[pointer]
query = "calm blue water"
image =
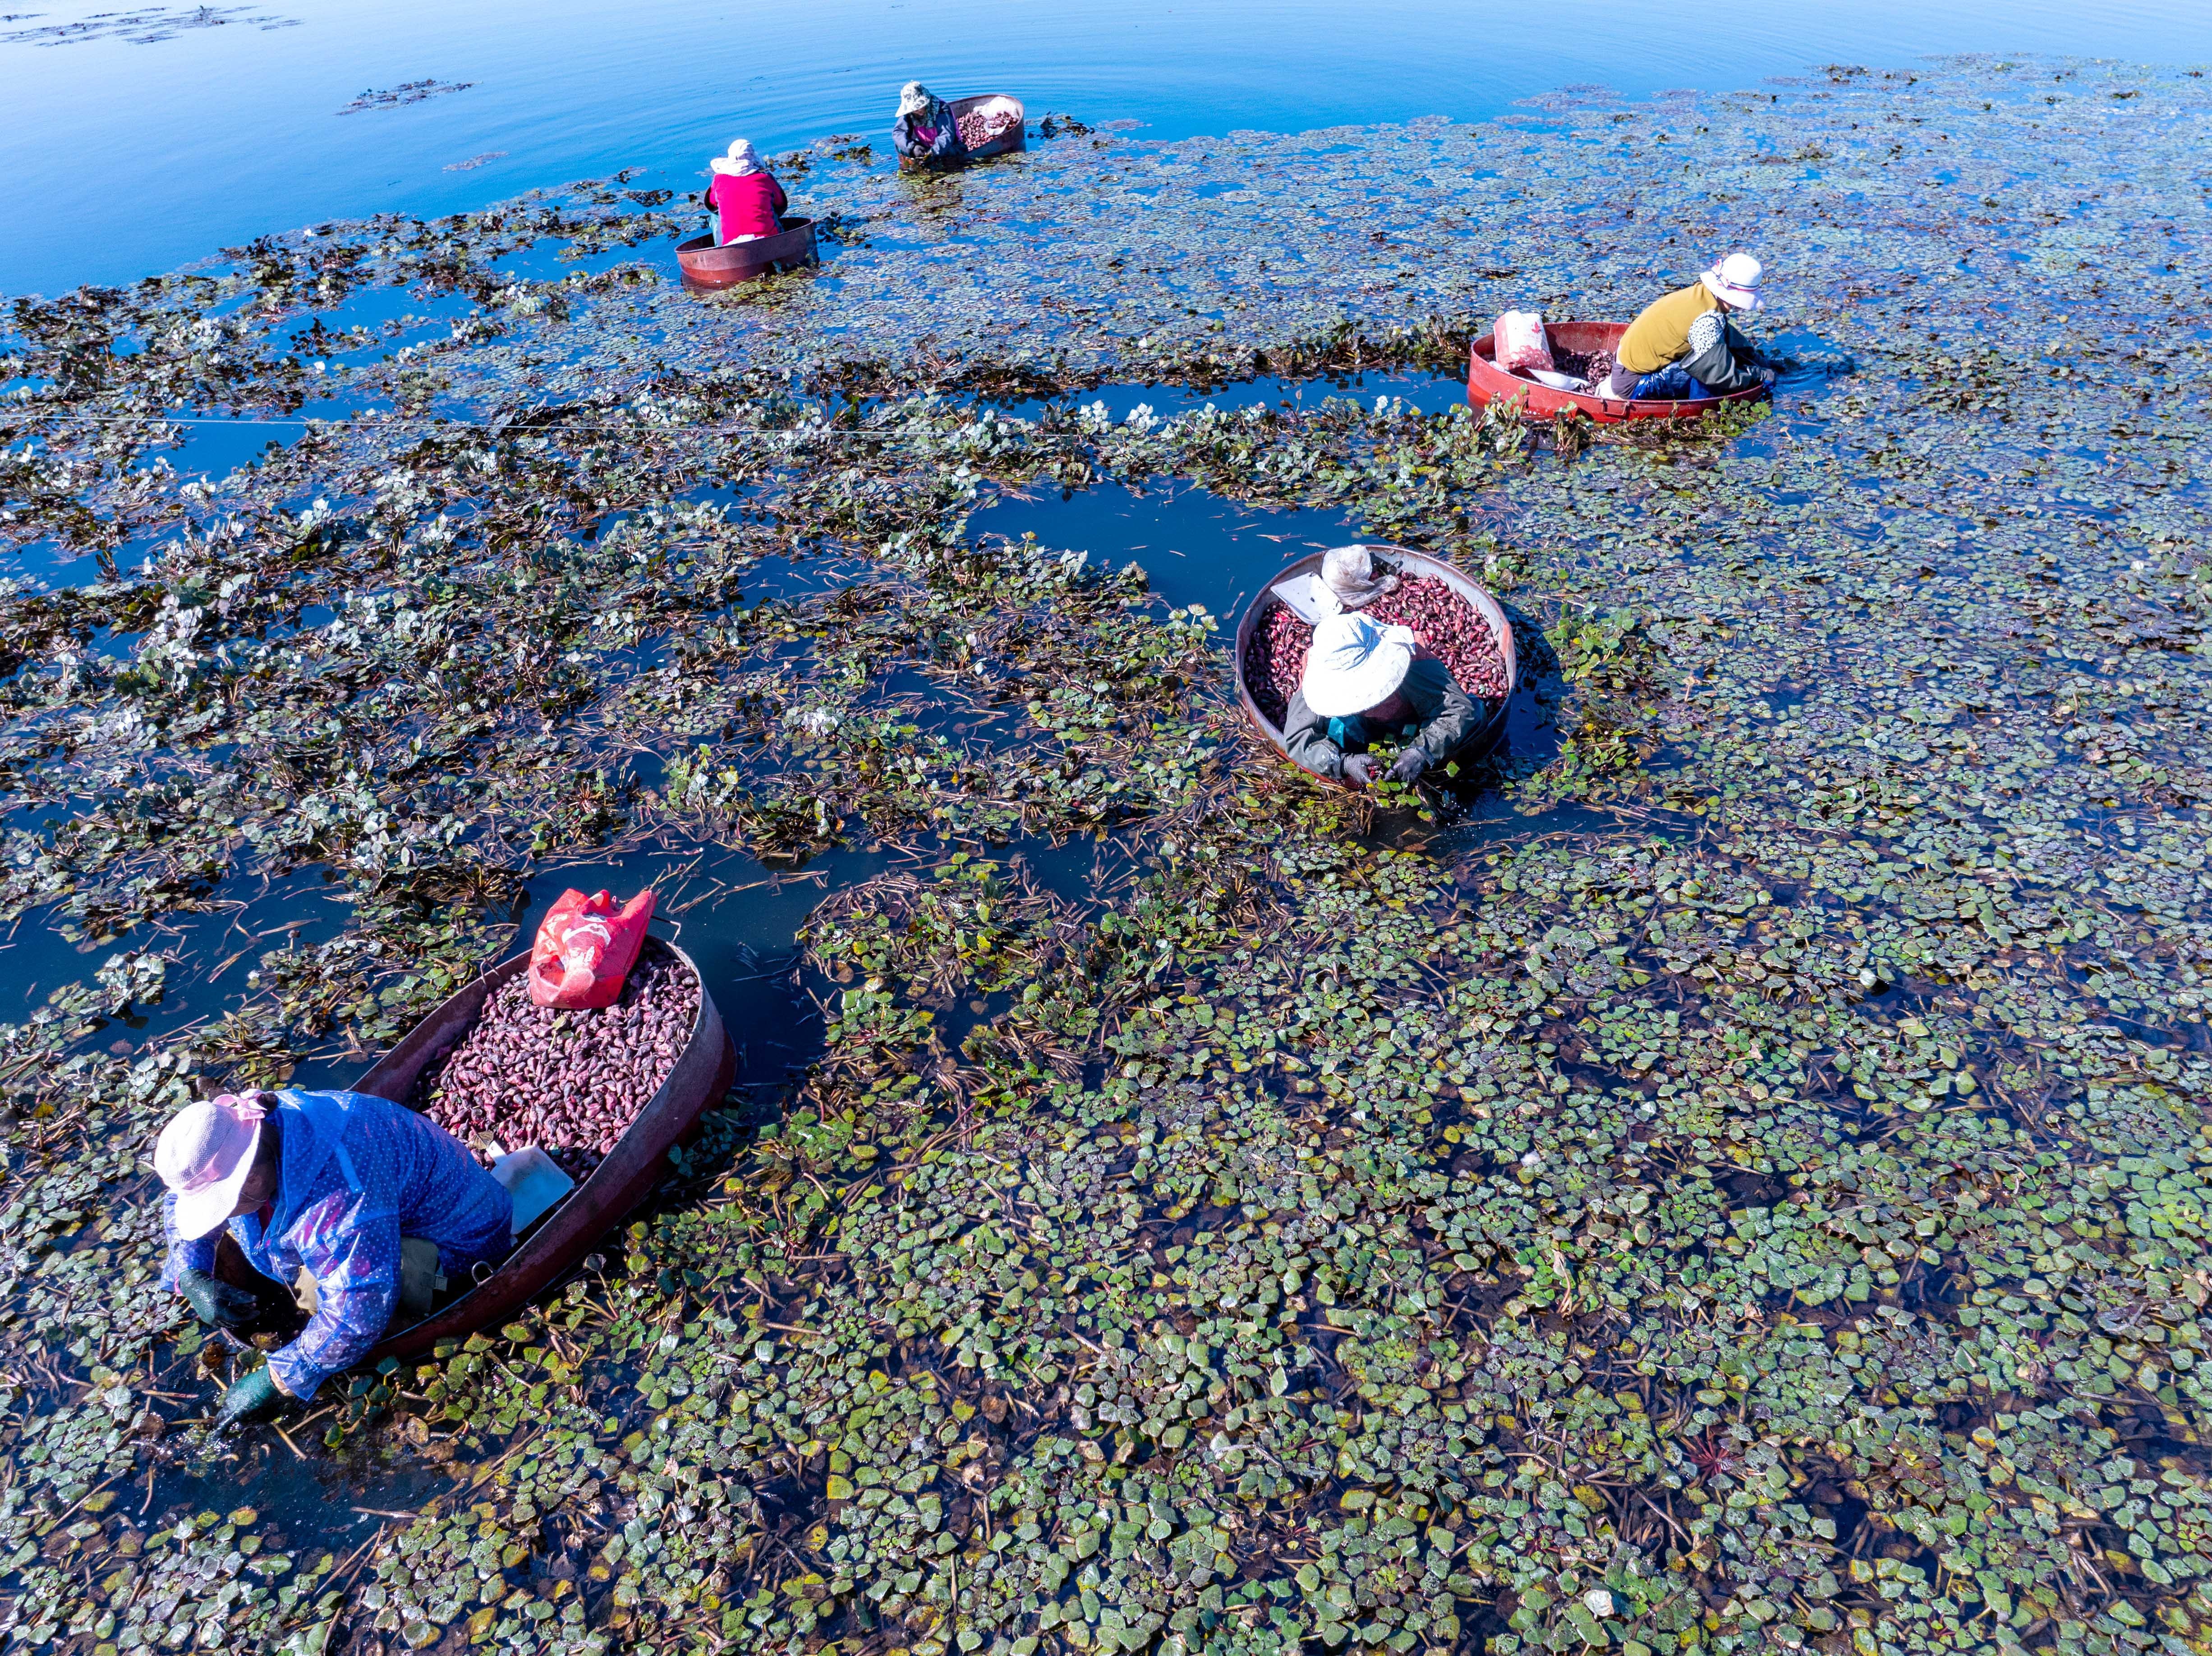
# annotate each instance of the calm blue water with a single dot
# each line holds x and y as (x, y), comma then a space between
(131, 152)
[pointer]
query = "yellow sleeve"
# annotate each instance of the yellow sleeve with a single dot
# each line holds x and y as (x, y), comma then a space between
(1661, 333)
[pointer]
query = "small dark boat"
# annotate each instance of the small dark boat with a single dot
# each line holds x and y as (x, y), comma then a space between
(1016, 137)
(1406, 562)
(1488, 383)
(702, 1074)
(707, 266)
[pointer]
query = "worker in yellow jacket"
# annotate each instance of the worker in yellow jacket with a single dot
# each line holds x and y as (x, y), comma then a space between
(1684, 346)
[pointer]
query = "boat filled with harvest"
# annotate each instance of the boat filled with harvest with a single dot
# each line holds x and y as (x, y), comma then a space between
(570, 1081)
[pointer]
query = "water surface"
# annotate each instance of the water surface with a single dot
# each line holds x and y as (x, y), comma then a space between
(133, 152)
(1693, 1123)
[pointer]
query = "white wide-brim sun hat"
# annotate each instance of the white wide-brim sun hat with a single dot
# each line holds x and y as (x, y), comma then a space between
(205, 1156)
(742, 159)
(1736, 279)
(1354, 663)
(914, 98)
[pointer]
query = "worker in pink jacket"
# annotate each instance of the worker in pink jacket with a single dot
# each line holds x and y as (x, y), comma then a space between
(747, 195)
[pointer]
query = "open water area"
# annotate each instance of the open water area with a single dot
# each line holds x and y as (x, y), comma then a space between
(1730, 1171)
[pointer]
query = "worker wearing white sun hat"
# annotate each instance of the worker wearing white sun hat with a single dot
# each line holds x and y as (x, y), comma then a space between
(1365, 682)
(1683, 346)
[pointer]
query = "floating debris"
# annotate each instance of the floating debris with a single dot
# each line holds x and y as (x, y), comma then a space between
(407, 92)
(145, 26)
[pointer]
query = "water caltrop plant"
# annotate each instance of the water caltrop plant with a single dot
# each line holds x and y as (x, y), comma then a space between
(1728, 1172)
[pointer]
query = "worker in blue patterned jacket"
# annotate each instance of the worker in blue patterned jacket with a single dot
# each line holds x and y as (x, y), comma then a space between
(925, 129)
(331, 1185)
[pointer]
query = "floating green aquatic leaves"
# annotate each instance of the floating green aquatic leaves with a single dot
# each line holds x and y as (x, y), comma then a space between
(1735, 1177)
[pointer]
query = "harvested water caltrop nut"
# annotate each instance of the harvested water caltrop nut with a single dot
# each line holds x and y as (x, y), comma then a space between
(569, 1081)
(1448, 626)
(980, 126)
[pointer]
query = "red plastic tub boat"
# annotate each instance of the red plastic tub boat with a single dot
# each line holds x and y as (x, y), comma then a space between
(1488, 383)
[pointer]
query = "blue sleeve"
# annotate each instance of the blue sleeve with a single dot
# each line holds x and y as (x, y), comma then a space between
(181, 1255)
(354, 1256)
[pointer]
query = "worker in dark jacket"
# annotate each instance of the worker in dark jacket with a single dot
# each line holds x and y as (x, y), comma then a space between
(1363, 683)
(925, 129)
(1683, 346)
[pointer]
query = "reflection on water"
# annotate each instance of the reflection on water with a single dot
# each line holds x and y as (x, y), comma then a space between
(1195, 546)
(124, 158)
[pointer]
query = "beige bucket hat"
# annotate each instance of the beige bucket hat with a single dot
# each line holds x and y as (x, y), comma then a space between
(742, 159)
(1735, 279)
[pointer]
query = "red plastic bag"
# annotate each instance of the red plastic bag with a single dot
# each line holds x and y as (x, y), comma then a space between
(586, 948)
(1519, 343)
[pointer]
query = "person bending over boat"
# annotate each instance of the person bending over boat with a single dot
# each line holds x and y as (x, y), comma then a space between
(747, 195)
(925, 129)
(1365, 683)
(326, 1183)
(1683, 347)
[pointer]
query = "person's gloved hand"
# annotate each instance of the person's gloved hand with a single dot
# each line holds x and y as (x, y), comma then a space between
(1766, 376)
(254, 1398)
(216, 1303)
(1358, 769)
(1411, 763)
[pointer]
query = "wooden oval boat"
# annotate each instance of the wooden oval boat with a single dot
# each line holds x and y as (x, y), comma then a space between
(1016, 138)
(1409, 562)
(708, 267)
(1488, 383)
(702, 1074)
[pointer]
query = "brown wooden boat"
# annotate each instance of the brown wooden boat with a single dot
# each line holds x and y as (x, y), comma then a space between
(1016, 137)
(707, 266)
(1407, 562)
(1488, 383)
(702, 1074)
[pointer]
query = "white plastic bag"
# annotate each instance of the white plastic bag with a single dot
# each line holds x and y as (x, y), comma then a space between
(1350, 579)
(534, 1182)
(1519, 343)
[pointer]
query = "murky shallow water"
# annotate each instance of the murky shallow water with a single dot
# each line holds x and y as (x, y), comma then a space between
(1742, 1168)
